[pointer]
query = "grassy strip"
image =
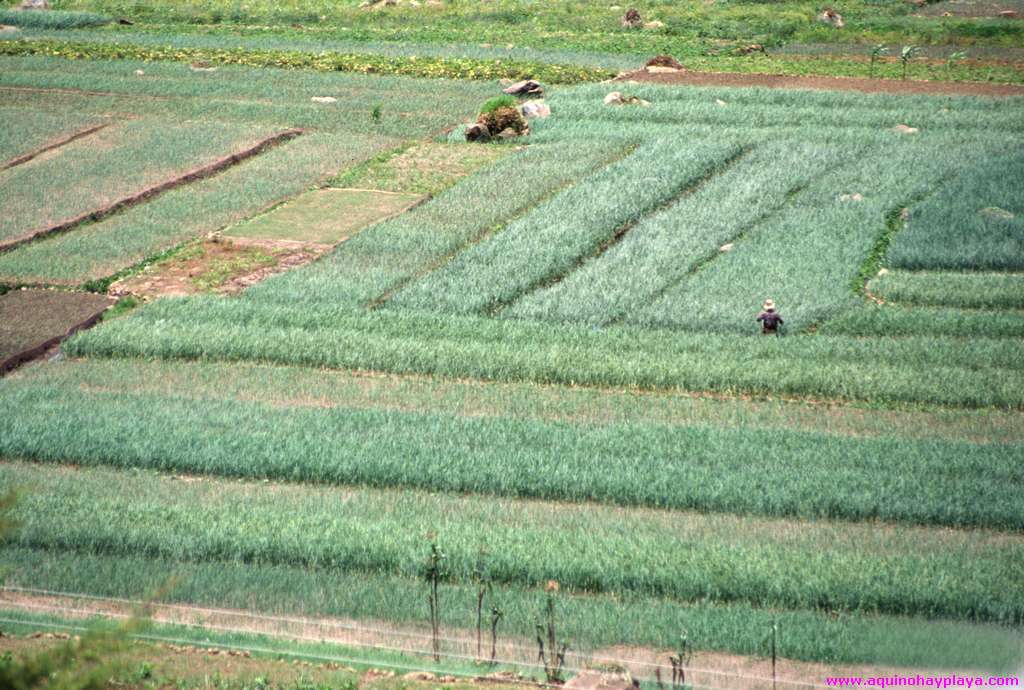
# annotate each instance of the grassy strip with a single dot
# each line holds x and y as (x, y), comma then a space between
(392, 253)
(987, 373)
(148, 659)
(974, 223)
(553, 238)
(140, 235)
(659, 465)
(304, 387)
(436, 67)
(893, 320)
(961, 290)
(117, 163)
(785, 564)
(590, 622)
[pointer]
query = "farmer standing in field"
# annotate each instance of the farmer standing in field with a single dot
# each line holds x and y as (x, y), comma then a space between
(769, 318)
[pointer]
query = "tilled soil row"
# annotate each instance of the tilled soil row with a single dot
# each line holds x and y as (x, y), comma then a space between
(862, 84)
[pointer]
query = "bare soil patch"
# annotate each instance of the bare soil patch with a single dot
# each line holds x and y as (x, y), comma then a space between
(711, 669)
(33, 321)
(219, 265)
(862, 84)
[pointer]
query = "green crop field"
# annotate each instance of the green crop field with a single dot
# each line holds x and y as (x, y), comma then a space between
(536, 359)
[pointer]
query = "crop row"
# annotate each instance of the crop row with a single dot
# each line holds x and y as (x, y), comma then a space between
(687, 557)
(556, 236)
(798, 110)
(587, 622)
(395, 252)
(751, 471)
(18, 138)
(894, 320)
(973, 223)
(109, 165)
(981, 373)
(101, 249)
(323, 61)
(662, 248)
(407, 107)
(305, 387)
(808, 257)
(949, 289)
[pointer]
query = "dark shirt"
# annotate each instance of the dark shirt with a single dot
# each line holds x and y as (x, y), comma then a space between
(770, 320)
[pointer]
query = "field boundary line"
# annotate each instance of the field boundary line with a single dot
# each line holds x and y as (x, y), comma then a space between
(20, 160)
(208, 170)
(529, 651)
(621, 231)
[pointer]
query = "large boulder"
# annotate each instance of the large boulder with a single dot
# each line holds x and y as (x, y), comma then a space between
(34, 5)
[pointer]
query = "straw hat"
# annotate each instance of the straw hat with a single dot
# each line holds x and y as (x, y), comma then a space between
(768, 305)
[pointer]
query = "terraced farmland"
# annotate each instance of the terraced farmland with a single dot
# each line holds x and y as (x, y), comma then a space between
(548, 366)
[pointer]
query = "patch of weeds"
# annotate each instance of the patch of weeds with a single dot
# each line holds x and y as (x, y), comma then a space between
(221, 269)
(121, 307)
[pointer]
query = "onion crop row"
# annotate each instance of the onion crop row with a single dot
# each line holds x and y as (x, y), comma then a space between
(974, 223)
(950, 289)
(777, 472)
(807, 257)
(894, 320)
(113, 163)
(550, 241)
(100, 249)
(921, 370)
(662, 248)
(688, 557)
(408, 107)
(587, 621)
(723, 106)
(397, 251)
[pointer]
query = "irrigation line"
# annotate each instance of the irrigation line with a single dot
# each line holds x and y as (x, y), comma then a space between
(322, 657)
(353, 628)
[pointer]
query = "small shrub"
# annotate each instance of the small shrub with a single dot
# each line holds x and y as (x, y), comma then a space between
(496, 103)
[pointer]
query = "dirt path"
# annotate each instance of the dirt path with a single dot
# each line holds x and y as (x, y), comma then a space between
(706, 669)
(862, 84)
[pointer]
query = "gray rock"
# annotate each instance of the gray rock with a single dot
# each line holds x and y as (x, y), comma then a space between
(34, 5)
(535, 109)
(997, 213)
(527, 87)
